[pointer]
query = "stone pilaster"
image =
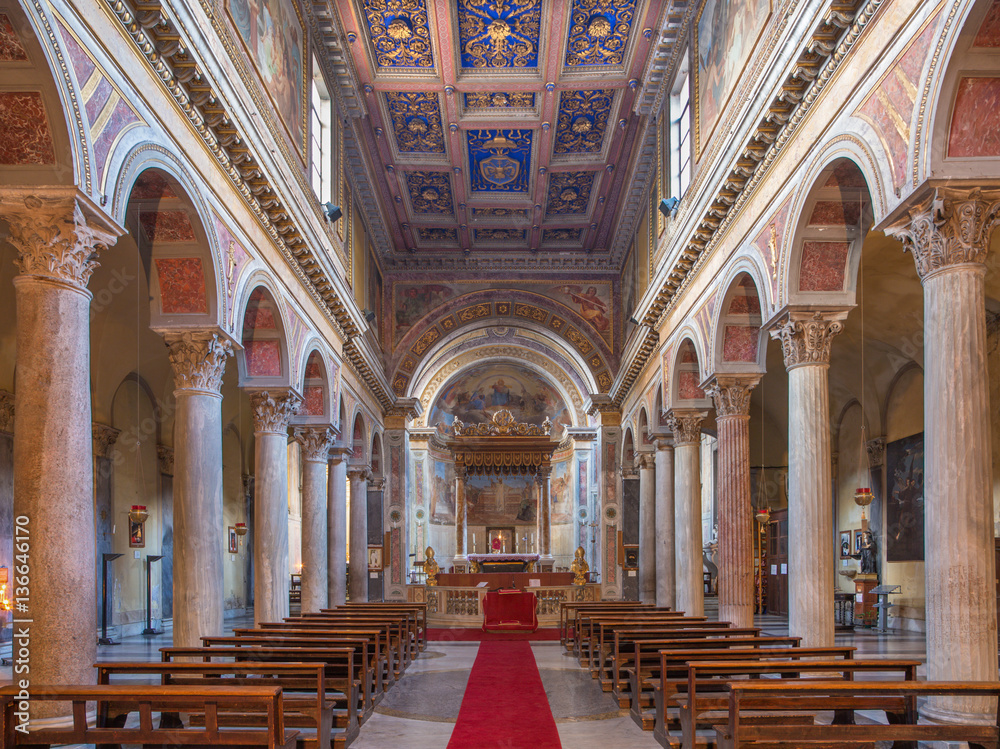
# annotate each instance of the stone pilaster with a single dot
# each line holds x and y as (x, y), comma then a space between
(948, 235)
(544, 519)
(272, 411)
(806, 337)
(461, 518)
(359, 475)
(647, 526)
(57, 234)
(198, 359)
(666, 583)
(316, 443)
(688, 564)
(336, 527)
(732, 417)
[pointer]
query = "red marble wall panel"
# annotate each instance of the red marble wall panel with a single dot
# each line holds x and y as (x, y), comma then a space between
(313, 368)
(122, 117)
(182, 285)
(739, 343)
(83, 66)
(846, 174)
(11, 49)
(687, 386)
(742, 304)
(259, 315)
(167, 226)
(989, 33)
(688, 355)
(99, 98)
(834, 213)
(152, 185)
(824, 265)
(25, 137)
(263, 358)
(975, 121)
(313, 403)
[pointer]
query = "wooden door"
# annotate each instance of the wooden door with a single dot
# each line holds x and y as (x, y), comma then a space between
(777, 563)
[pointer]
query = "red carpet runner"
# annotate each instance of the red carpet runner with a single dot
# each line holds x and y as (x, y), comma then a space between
(467, 634)
(505, 706)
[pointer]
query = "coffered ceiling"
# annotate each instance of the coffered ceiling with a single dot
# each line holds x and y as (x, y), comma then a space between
(500, 127)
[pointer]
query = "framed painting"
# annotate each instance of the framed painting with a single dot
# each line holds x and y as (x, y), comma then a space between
(726, 33)
(856, 546)
(273, 37)
(904, 509)
(375, 558)
(845, 544)
(234, 541)
(136, 534)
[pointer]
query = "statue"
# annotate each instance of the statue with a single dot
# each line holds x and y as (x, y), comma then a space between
(431, 566)
(867, 553)
(580, 568)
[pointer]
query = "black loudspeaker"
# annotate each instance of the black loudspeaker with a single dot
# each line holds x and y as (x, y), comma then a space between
(668, 206)
(332, 212)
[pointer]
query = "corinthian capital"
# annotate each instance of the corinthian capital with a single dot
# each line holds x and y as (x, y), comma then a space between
(731, 394)
(950, 227)
(316, 442)
(57, 232)
(198, 359)
(686, 425)
(272, 410)
(358, 472)
(104, 438)
(806, 335)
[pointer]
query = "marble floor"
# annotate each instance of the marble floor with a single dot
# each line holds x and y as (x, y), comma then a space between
(420, 711)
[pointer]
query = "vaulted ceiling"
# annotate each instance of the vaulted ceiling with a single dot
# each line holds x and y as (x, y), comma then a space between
(500, 127)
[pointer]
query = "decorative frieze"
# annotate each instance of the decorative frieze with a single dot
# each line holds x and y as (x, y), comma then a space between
(198, 359)
(272, 410)
(731, 394)
(316, 442)
(686, 425)
(806, 335)
(104, 438)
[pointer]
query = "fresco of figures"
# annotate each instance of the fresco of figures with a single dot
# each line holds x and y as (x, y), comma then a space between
(475, 394)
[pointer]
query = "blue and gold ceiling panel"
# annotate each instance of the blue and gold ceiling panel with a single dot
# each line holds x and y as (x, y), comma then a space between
(437, 235)
(599, 32)
(499, 100)
(583, 120)
(569, 193)
(416, 121)
(500, 214)
(562, 236)
(399, 33)
(430, 192)
(501, 235)
(498, 33)
(499, 160)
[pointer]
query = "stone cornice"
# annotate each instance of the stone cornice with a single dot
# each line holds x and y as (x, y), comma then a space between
(637, 355)
(365, 364)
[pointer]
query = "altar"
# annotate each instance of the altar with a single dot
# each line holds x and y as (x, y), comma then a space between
(503, 562)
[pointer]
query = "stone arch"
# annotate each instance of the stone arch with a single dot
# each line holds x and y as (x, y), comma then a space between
(740, 344)
(685, 389)
(357, 438)
(167, 221)
(644, 431)
(628, 449)
(377, 456)
(317, 405)
(833, 216)
(264, 360)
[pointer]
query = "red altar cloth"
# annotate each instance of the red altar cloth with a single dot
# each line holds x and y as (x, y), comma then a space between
(510, 609)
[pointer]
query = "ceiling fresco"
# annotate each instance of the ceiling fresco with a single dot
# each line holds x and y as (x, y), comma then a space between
(500, 125)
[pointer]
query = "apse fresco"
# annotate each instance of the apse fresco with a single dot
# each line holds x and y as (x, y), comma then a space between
(726, 34)
(501, 500)
(478, 393)
(271, 31)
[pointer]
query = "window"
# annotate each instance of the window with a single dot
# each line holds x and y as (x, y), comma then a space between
(680, 133)
(321, 138)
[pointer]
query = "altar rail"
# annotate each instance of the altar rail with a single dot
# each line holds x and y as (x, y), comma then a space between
(449, 606)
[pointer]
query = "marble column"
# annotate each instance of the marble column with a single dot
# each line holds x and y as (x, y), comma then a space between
(461, 518)
(359, 475)
(666, 583)
(198, 359)
(272, 576)
(57, 234)
(544, 519)
(647, 527)
(732, 417)
(949, 237)
(336, 527)
(688, 564)
(806, 336)
(315, 442)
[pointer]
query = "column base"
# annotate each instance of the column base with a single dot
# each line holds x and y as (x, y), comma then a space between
(460, 563)
(546, 562)
(936, 712)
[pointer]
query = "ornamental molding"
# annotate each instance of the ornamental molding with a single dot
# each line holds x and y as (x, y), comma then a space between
(807, 334)
(6, 411)
(731, 394)
(686, 426)
(198, 358)
(316, 443)
(876, 452)
(949, 227)
(503, 424)
(104, 438)
(358, 473)
(645, 461)
(273, 409)
(57, 233)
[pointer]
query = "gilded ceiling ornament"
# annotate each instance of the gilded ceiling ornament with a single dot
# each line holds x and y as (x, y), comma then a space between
(416, 121)
(500, 160)
(399, 33)
(500, 100)
(562, 235)
(569, 192)
(437, 234)
(599, 31)
(583, 120)
(497, 34)
(519, 213)
(430, 192)
(501, 235)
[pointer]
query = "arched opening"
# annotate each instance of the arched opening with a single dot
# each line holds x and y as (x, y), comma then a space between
(264, 359)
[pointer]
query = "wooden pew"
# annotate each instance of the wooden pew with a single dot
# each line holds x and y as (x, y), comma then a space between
(208, 701)
(307, 703)
(568, 609)
(406, 620)
(396, 632)
(809, 695)
(343, 671)
(705, 700)
(592, 628)
(586, 622)
(391, 645)
(419, 609)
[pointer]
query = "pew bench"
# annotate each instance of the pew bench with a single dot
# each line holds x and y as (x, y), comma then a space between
(585, 622)
(600, 630)
(419, 610)
(569, 610)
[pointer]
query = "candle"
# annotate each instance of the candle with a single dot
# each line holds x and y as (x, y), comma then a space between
(473, 543)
